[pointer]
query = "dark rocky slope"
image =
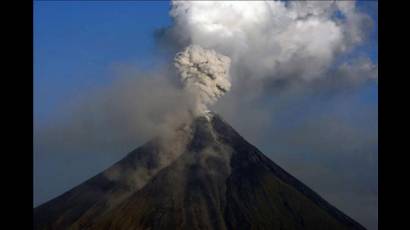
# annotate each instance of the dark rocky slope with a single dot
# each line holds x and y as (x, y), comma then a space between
(205, 177)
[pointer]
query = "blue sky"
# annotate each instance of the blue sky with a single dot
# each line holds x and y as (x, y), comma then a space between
(371, 46)
(76, 47)
(77, 43)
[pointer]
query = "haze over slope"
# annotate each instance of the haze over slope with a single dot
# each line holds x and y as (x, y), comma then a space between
(271, 102)
(205, 176)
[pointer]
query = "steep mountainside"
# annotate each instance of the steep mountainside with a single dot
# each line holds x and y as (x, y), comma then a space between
(205, 176)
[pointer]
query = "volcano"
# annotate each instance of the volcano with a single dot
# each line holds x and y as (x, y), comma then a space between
(203, 176)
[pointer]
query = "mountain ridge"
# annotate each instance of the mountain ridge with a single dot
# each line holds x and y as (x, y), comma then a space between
(215, 179)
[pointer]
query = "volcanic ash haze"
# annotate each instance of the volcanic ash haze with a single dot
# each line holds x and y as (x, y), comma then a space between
(203, 175)
(209, 177)
(204, 74)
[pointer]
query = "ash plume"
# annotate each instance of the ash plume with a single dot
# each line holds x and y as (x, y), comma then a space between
(271, 40)
(284, 60)
(204, 74)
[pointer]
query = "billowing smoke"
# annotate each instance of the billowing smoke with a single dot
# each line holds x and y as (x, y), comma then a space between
(272, 40)
(290, 59)
(204, 74)
(278, 50)
(261, 48)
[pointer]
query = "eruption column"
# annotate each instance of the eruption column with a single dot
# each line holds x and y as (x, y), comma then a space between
(204, 74)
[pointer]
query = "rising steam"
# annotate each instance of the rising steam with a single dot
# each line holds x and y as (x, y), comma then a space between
(271, 39)
(204, 75)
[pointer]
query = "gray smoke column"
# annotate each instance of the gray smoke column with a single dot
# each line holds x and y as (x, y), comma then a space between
(204, 74)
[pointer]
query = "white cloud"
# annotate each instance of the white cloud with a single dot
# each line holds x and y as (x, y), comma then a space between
(272, 38)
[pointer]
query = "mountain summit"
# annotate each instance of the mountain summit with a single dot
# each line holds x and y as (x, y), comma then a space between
(203, 176)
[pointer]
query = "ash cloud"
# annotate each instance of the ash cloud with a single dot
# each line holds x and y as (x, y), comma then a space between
(204, 74)
(129, 111)
(296, 86)
(292, 92)
(270, 39)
